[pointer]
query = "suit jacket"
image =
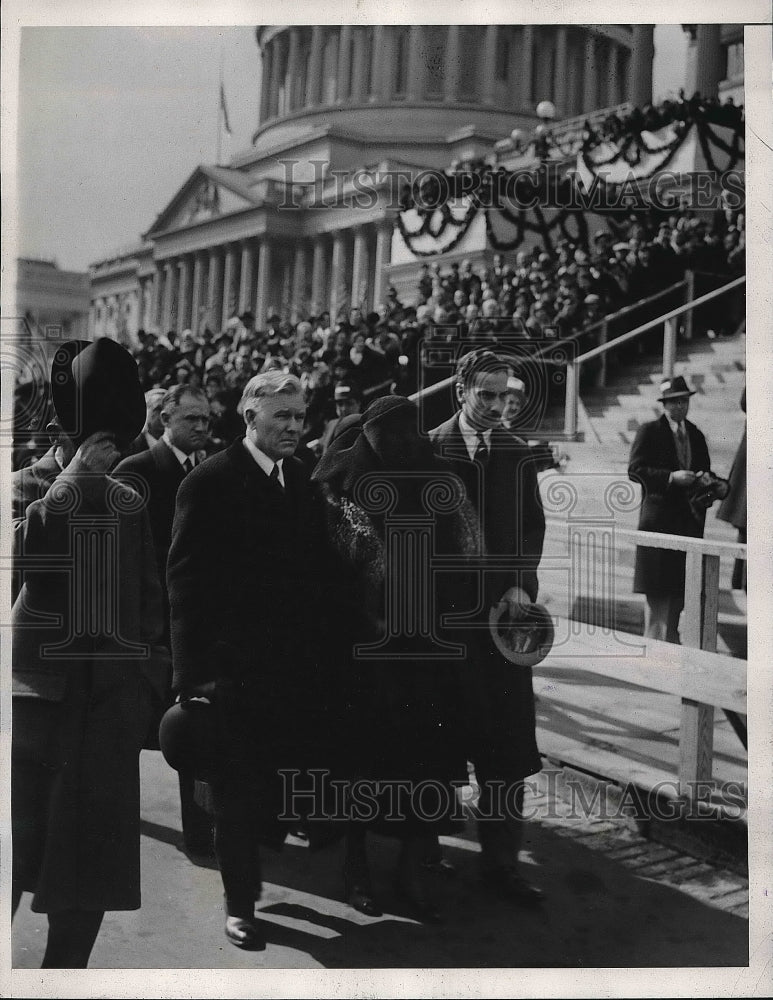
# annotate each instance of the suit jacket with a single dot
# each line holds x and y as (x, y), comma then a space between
(666, 507)
(500, 718)
(249, 575)
(156, 474)
(508, 502)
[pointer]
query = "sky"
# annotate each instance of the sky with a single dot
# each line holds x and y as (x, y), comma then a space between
(113, 120)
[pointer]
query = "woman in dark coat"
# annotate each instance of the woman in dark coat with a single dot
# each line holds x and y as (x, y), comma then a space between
(404, 696)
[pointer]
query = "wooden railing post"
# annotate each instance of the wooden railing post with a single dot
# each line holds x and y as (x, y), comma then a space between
(570, 406)
(701, 609)
(669, 347)
(601, 377)
(689, 296)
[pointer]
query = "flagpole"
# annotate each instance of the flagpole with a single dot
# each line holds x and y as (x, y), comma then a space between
(220, 112)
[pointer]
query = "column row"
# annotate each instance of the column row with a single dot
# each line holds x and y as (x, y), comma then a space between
(501, 65)
(267, 277)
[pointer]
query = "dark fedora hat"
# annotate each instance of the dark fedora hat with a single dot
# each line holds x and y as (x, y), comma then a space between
(188, 738)
(673, 388)
(96, 387)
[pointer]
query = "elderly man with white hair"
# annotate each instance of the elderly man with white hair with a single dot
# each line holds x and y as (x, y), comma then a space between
(249, 588)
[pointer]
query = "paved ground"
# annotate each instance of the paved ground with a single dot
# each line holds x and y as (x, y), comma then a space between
(614, 900)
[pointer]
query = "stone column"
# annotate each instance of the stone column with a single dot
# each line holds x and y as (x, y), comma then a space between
(709, 64)
(383, 257)
(417, 68)
(155, 303)
(215, 289)
(562, 72)
(489, 63)
(166, 313)
(294, 99)
(276, 61)
(451, 75)
(314, 81)
(318, 276)
(377, 65)
(344, 63)
(589, 89)
(265, 83)
(640, 65)
(196, 292)
(358, 71)
(228, 281)
(359, 267)
(298, 293)
(527, 67)
(263, 284)
(388, 63)
(183, 312)
(245, 277)
(337, 286)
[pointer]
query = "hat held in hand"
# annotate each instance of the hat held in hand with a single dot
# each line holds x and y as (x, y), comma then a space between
(535, 631)
(95, 387)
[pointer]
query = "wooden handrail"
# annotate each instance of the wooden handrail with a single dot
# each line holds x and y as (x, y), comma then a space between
(611, 317)
(678, 311)
(661, 539)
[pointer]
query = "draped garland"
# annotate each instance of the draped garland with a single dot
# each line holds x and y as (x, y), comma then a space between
(438, 208)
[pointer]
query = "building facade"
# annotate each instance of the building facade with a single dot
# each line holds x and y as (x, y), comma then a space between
(303, 221)
(48, 298)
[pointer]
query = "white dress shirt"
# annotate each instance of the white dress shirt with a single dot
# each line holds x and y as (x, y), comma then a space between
(181, 457)
(470, 435)
(267, 464)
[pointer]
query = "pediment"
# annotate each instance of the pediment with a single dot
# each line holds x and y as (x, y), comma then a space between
(205, 195)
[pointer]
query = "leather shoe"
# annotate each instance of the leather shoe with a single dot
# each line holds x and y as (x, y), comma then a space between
(439, 866)
(419, 906)
(244, 934)
(360, 898)
(507, 883)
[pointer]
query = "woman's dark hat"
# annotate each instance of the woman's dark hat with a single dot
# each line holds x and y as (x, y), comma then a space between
(674, 388)
(96, 387)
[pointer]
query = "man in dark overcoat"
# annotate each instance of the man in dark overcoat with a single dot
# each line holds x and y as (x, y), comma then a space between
(667, 457)
(500, 476)
(156, 473)
(88, 667)
(248, 578)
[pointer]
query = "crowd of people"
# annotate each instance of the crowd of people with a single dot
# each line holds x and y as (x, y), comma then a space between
(531, 295)
(271, 588)
(652, 117)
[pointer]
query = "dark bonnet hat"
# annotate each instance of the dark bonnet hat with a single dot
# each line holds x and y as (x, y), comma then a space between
(95, 387)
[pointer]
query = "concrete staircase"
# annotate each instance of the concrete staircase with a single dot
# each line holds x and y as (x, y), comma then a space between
(597, 470)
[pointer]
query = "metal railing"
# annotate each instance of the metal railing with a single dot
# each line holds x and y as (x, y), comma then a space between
(669, 348)
(701, 677)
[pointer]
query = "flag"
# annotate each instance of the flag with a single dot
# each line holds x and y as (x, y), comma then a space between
(224, 109)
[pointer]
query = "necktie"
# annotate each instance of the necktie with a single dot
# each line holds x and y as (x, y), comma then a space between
(187, 465)
(481, 451)
(681, 443)
(275, 477)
